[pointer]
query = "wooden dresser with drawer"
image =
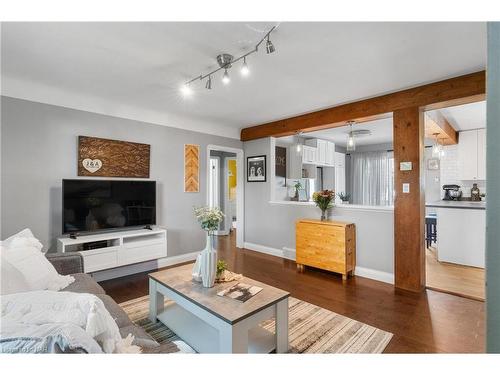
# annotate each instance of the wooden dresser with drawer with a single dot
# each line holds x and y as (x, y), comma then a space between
(329, 245)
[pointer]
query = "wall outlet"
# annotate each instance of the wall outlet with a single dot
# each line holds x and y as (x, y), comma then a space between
(406, 188)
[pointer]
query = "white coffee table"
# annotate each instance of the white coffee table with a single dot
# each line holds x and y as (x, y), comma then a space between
(214, 324)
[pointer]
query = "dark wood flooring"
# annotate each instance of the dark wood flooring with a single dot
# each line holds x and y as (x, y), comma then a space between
(426, 322)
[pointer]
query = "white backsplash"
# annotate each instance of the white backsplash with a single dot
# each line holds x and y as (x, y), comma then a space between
(450, 172)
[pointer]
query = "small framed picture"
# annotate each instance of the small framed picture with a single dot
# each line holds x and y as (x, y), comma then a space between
(256, 168)
(433, 164)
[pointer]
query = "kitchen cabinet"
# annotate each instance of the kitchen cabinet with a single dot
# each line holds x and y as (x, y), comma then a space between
(339, 175)
(472, 154)
(325, 151)
(481, 154)
(461, 235)
(309, 154)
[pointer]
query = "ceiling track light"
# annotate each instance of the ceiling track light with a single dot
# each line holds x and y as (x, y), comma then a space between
(225, 78)
(226, 61)
(244, 68)
(269, 46)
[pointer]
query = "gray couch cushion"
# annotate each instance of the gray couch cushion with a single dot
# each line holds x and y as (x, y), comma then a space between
(121, 318)
(84, 284)
(141, 338)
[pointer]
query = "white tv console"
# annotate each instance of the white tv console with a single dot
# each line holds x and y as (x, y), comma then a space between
(123, 248)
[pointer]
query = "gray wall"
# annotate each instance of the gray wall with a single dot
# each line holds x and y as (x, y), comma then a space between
(493, 205)
(39, 149)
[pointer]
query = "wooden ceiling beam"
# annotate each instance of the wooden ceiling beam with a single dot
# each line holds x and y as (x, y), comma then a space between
(459, 90)
(436, 123)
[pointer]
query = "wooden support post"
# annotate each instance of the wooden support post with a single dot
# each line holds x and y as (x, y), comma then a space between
(409, 207)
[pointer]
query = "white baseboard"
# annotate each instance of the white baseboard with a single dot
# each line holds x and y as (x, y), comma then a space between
(113, 273)
(289, 253)
(369, 273)
(263, 249)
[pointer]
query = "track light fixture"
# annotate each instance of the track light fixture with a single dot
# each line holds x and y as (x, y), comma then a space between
(208, 85)
(269, 46)
(186, 90)
(226, 61)
(244, 68)
(225, 78)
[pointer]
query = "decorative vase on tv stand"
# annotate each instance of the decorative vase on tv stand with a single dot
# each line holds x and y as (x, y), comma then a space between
(205, 268)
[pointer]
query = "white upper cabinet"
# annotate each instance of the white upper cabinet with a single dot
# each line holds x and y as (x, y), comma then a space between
(325, 151)
(481, 154)
(309, 154)
(472, 154)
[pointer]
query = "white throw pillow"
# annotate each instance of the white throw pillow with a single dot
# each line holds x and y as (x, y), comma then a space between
(12, 280)
(23, 252)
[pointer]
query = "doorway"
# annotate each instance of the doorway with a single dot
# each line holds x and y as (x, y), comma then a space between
(455, 187)
(225, 188)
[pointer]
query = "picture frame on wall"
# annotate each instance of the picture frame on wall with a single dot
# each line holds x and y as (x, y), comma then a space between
(256, 168)
(433, 164)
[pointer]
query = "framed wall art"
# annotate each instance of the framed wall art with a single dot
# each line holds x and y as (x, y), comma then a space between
(191, 168)
(256, 168)
(100, 157)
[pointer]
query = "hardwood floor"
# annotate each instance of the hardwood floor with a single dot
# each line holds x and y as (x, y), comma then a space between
(453, 278)
(426, 322)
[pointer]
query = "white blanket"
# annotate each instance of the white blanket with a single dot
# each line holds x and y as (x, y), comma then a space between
(33, 309)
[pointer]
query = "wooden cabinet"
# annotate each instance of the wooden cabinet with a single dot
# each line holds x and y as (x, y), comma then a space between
(329, 245)
(472, 154)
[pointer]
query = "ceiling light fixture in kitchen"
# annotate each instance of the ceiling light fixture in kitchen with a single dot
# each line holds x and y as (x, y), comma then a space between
(351, 144)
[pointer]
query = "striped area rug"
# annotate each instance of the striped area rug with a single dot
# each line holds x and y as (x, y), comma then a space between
(312, 329)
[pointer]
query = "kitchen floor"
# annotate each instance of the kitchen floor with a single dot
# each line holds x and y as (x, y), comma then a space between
(451, 278)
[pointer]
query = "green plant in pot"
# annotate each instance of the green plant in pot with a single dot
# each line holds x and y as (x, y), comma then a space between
(344, 197)
(324, 201)
(297, 187)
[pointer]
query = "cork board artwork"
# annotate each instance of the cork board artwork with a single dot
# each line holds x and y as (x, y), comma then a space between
(99, 157)
(191, 168)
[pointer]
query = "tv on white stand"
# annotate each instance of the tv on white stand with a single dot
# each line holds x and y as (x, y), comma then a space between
(122, 248)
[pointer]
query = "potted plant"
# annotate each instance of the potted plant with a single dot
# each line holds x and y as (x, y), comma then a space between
(344, 197)
(205, 267)
(297, 187)
(324, 200)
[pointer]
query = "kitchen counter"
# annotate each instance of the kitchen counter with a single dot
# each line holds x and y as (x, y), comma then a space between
(458, 204)
(461, 231)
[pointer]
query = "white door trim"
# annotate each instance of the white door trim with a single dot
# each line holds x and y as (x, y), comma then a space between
(240, 198)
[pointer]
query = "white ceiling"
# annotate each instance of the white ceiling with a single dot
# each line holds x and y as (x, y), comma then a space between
(381, 133)
(466, 117)
(134, 70)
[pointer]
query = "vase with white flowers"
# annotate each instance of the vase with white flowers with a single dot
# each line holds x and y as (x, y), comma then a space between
(205, 268)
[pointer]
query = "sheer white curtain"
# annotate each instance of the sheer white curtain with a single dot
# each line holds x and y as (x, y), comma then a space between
(372, 178)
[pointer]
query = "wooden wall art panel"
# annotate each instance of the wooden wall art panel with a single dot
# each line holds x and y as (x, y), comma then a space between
(99, 157)
(191, 168)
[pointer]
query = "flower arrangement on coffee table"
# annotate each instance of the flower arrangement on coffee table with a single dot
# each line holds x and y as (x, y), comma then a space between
(324, 201)
(205, 268)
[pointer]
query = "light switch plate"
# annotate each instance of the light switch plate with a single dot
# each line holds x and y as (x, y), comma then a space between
(405, 166)
(406, 187)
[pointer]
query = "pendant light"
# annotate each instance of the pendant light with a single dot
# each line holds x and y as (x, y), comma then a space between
(208, 85)
(269, 46)
(351, 144)
(437, 149)
(298, 146)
